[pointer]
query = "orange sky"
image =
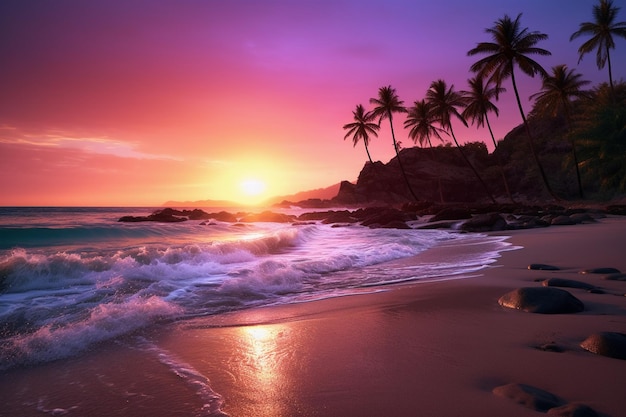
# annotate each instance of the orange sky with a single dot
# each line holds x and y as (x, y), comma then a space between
(140, 102)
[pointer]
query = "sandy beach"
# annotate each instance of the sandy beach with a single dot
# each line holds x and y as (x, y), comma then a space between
(427, 349)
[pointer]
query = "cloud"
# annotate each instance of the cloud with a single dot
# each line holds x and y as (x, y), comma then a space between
(99, 145)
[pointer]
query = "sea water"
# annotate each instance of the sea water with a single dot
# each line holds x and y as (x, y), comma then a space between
(73, 277)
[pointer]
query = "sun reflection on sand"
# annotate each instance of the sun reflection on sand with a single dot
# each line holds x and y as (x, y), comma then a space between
(262, 350)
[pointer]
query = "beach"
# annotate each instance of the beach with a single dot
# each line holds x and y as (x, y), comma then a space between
(429, 349)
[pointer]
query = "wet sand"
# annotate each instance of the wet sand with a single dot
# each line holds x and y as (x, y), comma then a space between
(427, 349)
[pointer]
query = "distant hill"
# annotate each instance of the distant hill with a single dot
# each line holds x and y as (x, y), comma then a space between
(200, 203)
(319, 193)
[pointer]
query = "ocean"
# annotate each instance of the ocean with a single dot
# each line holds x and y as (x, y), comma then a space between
(74, 278)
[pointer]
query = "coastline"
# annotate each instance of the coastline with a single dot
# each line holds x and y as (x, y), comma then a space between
(434, 348)
(429, 349)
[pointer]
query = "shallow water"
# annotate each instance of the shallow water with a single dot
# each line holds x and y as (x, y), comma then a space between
(72, 279)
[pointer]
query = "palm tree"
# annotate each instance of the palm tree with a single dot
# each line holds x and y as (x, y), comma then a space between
(362, 128)
(421, 120)
(444, 102)
(557, 93)
(387, 103)
(601, 31)
(510, 47)
(479, 105)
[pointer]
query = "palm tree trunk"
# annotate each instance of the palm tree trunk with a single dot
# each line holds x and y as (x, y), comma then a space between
(608, 58)
(569, 128)
(530, 140)
(500, 164)
(438, 176)
(395, 146)
(368, 152)
(472, 167)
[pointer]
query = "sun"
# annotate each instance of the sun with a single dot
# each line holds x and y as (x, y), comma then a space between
(252, 187)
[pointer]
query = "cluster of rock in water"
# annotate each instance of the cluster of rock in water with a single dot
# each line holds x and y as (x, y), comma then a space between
(550, 299)
(423, 215)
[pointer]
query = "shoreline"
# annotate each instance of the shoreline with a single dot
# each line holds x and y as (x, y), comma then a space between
(434, 348)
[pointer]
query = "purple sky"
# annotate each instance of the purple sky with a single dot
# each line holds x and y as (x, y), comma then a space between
(138, 102)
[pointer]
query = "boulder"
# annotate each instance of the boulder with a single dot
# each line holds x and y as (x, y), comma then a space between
(484, 223)
(569, 283)
(572, 410)
(611, 344)
(340, 217)
(267, 216)
(385, 216)
(543, 267)
(562, 221)
(452, 213)
(542, 300)
(529, 396)
(615, 277)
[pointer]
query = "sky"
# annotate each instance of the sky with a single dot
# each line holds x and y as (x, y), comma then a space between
(137, 102)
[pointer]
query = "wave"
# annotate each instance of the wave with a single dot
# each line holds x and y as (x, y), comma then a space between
(54, 303)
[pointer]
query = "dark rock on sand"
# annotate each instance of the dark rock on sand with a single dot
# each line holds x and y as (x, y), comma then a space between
(572, 410)
(484, 223)
(543, 267)
(611, 344)
(615, 277)
(569, 283)
(601, 271)
(542, 300)
(529, 396)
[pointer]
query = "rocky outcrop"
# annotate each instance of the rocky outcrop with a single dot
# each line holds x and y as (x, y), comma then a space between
(611, 344)
(543, 300)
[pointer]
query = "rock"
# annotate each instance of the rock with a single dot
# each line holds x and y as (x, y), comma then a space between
(579, 218)
(529, 396)
(542, 300)
(615, 277)
(562, 221)
(570, 283)
(339, 217)
(385, 216)
(617, 209)
(601, 271)
(611, 344)
(572, 410)
(267, 216)
(484, 223)
(223, 216)
(397, 224)
(543, 267)
(452, 213)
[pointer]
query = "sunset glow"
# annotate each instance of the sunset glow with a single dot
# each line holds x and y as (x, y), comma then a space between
(252, 187)
(138, 103)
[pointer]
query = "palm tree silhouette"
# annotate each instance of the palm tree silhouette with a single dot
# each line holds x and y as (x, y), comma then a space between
(386, 104)
(557, 93)
(421, 119)
(510, 47)
(444, 102)
(478, 107)
(362, 128)
(601, 31)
